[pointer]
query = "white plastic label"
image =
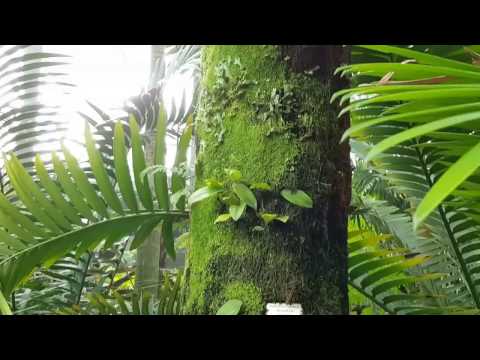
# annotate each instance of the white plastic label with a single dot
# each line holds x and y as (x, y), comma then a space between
(284, 309)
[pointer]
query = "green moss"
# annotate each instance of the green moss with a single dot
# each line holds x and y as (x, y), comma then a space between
(249, 294)
(230, 259)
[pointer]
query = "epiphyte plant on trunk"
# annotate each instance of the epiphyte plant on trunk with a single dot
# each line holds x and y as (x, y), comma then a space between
(238, 194)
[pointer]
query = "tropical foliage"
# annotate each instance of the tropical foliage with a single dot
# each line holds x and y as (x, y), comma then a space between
(68, 227)
(416, 129)
(81, 202)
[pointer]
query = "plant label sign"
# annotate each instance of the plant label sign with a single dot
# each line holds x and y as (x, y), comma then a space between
(284, 309)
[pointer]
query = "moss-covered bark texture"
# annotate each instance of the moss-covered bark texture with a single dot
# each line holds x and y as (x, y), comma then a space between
(265, 111)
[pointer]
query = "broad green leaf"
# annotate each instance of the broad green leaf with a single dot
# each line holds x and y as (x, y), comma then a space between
(231, 307)
(260, 186)
(268, 218)
(202, 194)
(223, 218)
(213, 184)
(234, 175)
(245, 194)
(298, 197)
(236, 211)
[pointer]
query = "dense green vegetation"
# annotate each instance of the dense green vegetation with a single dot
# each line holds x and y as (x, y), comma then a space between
(70, 227)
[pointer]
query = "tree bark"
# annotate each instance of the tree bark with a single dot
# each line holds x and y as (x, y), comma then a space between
(265, 111)
(151, 254)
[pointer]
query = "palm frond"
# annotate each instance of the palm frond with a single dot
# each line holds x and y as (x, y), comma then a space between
(169, 301)
(25, 74)
(55, 215)
(419, 122)
(386, 277)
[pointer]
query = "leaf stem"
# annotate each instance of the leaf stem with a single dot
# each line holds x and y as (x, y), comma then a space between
(4, 308)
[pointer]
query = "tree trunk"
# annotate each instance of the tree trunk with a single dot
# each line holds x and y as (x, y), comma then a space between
(148, 275)
(265, 111)
(151, 254)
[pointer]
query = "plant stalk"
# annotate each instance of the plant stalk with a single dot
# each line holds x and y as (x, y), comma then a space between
(4, 308)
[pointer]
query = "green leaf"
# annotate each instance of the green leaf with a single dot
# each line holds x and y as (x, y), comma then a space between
(213, 184)
(231, 307)
(202, 194)
(71, 189)
(83, 184)
(168, 239)
(178, 180)
(175, 198)
(236, 211)
(4, 308)
(55, 193)
(230, 199)
(268, 218)
(222, 218)
(298, 198)
(234, 175)
(260, 186)
(121, 167)
(450, 180)
(23, 192)
(139, 165)
(100, 173)
(16, 268)
(418, 131)
(245, 194)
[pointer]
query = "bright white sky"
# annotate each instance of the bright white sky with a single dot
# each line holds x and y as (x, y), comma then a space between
(106, 75)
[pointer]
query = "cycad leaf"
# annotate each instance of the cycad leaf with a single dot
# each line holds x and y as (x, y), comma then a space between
(455, 176)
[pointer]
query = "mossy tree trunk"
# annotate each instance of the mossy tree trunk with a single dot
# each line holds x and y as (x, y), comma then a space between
(265, 111)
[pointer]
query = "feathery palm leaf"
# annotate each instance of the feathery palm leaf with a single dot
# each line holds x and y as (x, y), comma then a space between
(419, 122)
(69, 212)
(25, 73)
